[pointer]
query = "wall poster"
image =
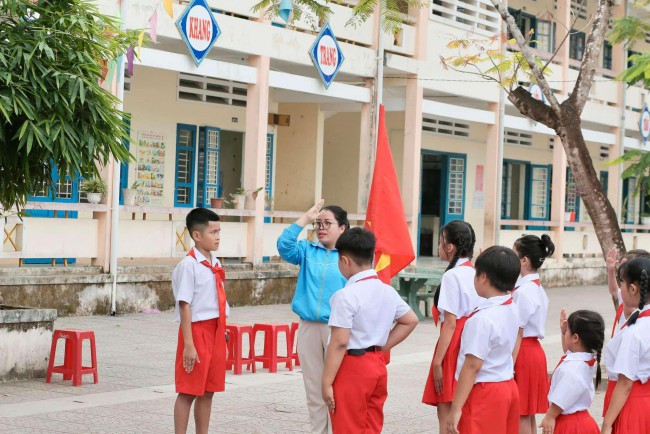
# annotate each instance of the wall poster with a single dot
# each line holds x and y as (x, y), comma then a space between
(150, 172)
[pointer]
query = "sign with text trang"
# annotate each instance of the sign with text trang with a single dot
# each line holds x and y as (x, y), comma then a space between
(199, 29)
(326, 55)
(644, 124)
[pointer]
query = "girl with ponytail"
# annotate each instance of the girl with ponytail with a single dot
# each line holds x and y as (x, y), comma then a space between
(454, 299)
(627, 356)
(531, 302)
(572, 386)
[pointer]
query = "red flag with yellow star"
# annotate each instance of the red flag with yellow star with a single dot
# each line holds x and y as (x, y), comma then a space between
(385, 215)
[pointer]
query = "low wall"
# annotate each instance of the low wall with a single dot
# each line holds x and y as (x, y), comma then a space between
(25, 339)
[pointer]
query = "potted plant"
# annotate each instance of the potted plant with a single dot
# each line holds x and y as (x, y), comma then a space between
(95, 189)
(238, 198)
(216, 202)
(130, 193)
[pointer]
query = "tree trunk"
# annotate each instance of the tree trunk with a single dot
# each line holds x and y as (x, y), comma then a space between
(603, 216)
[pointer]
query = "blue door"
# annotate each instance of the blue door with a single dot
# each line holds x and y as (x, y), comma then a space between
(64, 189)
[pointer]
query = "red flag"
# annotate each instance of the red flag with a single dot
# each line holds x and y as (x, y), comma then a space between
(385, 216)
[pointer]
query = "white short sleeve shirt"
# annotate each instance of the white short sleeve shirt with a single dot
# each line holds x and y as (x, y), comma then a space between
(532, 306)
(194, 283)
(572, 385)
(368, 307)
(457, 293)
(628, 353)
(490, 334)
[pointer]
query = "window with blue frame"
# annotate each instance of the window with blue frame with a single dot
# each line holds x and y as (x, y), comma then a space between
(572, 197)
(185, 167)
(631, 53)
(124, 167)
(576, 45)
(540, 189)
(527, 23)
(607, 55)
(630, 201)
(545, 35)
(210, 182)
(268, 177)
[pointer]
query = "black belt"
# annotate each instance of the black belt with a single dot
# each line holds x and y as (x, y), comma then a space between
(372, 349)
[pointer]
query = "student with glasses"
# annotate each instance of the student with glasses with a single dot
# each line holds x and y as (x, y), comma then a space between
(319, 278)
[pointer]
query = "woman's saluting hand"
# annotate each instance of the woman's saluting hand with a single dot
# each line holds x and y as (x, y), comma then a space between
(311, 214)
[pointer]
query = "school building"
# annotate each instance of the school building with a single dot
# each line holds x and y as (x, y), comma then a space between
(256, 114)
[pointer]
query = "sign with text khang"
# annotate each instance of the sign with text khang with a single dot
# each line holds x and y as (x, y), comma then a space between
(199, 29)
(644, 124)
(326, 55)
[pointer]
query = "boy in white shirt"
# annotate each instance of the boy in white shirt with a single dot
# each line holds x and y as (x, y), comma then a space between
(355, 378)
(201, 308)
(487, 398)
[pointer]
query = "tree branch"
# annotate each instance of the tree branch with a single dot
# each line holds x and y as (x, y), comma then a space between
(533, 108)
(529, 56)
(592, 54)
(566, 36)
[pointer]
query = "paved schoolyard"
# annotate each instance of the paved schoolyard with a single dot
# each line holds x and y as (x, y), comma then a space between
(135, 393)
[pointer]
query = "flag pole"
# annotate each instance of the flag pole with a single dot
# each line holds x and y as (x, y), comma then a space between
(379, 80)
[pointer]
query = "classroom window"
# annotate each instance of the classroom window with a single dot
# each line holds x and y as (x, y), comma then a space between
(572, 201)
(185, 145)
(576, 45)
(545, 35)
(539, 193)
(526, 23)
(607, 55)
(209, 174)
(631, 53)
(456, 182)
(268, 176)
(631, 201)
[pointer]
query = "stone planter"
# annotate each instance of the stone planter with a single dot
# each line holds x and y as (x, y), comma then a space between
(94, 198)
(239, 201)
(25, 340)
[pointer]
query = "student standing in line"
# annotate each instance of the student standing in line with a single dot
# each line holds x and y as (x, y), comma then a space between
(531, 302)
(201, 308)
(487, 399)
(622, 314)
(319, 278)
(454, 300)
(627, 356)
(355, 380)
(572, 386)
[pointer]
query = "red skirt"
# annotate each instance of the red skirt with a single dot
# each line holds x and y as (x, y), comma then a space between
(611, 384)
(491, 408)
(210, 374)
(531, 376)
(579, 422)
(449, 364)
(634, 418)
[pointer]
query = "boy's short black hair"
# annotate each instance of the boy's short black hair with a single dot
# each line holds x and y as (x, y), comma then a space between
(501, 266)
(358, 244)
(199, 218)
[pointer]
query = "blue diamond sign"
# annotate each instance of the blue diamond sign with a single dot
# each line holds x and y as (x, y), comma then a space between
(199, 29)
(326, 55)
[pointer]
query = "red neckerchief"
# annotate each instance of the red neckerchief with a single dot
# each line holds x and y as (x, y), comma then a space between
(220, 277)
(435, 313)
(617, 318)
(508, 301)
(591, 362)
(536, 282)
(643, 314)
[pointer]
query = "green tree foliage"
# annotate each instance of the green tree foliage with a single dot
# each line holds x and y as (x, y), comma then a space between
(53, 110)
(316, 11)
(628, 30)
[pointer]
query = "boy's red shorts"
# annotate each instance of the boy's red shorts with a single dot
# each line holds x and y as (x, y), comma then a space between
(210, 374)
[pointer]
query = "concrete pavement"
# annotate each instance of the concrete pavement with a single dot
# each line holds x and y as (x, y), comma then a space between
(135, 393)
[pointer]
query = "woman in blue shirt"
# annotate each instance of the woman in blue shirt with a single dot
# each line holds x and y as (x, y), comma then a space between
(319, 278)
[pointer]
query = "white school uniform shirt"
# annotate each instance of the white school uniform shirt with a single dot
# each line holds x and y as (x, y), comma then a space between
(491, 334)
(532, 306)
(194, 283)
(457, 293)
(572, 384)
(628, 353)
(368, 308)
(622, 318)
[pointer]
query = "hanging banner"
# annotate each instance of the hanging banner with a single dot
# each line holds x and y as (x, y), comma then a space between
(644, 124)
(198, 29)
(150, 169)
(326, 55)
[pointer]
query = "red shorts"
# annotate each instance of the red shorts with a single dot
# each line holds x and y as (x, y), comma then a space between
(449, 364)
(360, 390)
(531, 375)
(579, 422)
(210, 374)
(491, 408)
(634, 418)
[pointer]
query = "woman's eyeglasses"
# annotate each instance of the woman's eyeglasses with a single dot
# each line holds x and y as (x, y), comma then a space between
(325, 225)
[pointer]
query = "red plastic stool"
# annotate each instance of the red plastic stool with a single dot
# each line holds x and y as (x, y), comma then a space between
(235, 361)
(294, 344)
(72, 367)
(270, 358)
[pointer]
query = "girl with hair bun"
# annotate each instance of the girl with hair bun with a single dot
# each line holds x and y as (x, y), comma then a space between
(531, 301)
(627, 356)
(572, 386)
(454, 299)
